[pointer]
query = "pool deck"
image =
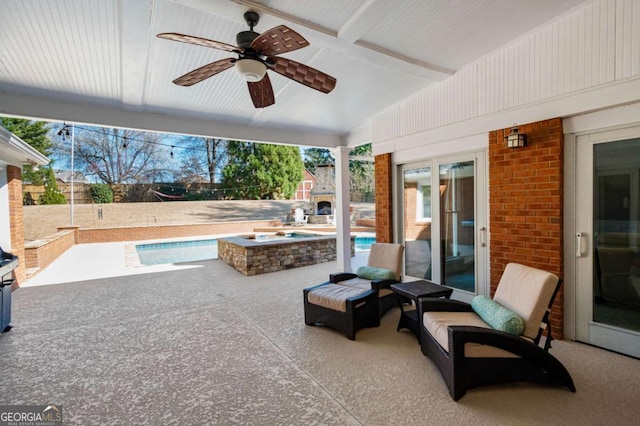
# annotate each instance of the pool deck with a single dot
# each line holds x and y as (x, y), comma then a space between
(83, 262)
(206, 345)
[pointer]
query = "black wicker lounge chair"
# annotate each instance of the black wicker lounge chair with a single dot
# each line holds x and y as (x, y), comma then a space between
(470, 353)
(349, 302)
(384, 256)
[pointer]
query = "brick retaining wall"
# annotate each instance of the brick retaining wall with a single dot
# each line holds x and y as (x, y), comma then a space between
(40, 253)
(156, 232)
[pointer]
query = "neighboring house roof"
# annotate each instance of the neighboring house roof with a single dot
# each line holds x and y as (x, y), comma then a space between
(64, 176)
(308, 174)
(16, 152)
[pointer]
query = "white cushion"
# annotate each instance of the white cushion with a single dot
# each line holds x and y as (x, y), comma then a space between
(437, 324)
(364, 284)
(386, 256)
(527, 292)
(333, 296)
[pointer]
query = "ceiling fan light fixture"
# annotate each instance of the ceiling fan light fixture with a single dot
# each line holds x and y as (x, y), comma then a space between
(251, 69)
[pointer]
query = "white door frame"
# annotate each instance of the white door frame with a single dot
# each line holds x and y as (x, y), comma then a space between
(578, 246)
(481, 237)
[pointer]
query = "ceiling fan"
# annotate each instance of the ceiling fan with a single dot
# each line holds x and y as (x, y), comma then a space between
(257, 54)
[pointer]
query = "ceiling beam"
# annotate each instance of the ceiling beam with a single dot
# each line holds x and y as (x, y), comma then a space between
(50, 109)
(346, 40)
(136, 20)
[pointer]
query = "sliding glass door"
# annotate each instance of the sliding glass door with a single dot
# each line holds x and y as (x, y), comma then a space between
(607, 240)
(417, 221)
(443, 201)
(457, 225)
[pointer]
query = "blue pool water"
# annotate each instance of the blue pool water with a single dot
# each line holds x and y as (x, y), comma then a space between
(180, 251)
(364, 243)
(192, 251)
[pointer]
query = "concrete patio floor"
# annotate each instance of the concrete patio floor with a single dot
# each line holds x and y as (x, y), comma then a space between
(207, 345)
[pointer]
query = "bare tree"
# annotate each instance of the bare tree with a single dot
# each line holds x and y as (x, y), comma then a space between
(210, 152)
(116, 156)
(190, 170)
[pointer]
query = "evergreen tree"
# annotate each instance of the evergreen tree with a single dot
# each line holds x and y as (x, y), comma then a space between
(52, 194)
(361, 174)
(36, 134)
(261, 171)
(315, 157)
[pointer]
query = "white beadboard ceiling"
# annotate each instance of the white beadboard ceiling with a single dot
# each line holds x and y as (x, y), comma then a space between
(98, 61)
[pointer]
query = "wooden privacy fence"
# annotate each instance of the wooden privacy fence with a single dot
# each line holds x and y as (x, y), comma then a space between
(131, 193)
(148, 192)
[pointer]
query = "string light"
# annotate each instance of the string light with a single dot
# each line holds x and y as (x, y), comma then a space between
(128, 139)
(64, 131)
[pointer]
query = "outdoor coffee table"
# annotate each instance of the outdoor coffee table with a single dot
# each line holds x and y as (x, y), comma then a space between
(412, 291)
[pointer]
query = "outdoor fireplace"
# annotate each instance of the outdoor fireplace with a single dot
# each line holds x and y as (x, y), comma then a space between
(323, 207)
(323, 195)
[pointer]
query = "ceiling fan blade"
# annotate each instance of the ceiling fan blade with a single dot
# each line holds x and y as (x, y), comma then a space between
(202, 73)
(280, 39)
(184, 38)
(262, 92)
(302, 74)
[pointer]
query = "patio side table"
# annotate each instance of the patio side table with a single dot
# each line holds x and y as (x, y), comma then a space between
(412, 291)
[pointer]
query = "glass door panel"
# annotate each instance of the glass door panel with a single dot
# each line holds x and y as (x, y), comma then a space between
(457, 225)
(616, 265)
(607, 239)
(417, 221)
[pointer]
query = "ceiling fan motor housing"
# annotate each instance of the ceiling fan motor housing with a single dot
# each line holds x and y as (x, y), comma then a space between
(245, 38)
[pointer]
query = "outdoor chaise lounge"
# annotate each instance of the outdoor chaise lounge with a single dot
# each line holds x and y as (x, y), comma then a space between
(495, 341)
(349, 302)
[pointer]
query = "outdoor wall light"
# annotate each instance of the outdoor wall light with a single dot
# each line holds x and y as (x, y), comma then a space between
(251, 70)
(515, 139)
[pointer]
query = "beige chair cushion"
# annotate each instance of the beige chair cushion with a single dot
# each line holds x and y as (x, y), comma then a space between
(334, 296)
(387, 256)
(437, 323)
(364, 284)
(527, 292)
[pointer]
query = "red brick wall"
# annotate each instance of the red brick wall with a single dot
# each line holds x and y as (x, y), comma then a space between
(384, 211)
(40, 254)
(303, 192)
(525, 199)
(16, 221)
(413, 229)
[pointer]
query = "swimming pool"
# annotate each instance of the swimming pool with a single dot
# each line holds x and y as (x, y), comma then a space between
(176, 252)
(364, 243)
(193, 251)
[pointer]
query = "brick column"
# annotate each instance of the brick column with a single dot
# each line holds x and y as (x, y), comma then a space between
(16, 221)
(384, 197)
(525, 204)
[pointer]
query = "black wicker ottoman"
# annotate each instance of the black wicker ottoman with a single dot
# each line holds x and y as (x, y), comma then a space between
(343, 308)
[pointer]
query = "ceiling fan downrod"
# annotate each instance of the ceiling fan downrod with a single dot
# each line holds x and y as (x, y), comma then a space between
(245, 38)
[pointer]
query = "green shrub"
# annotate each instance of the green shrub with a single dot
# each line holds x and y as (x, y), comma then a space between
(52, 194)
(101, 193)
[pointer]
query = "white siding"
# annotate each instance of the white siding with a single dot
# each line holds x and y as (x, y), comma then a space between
(591, 46)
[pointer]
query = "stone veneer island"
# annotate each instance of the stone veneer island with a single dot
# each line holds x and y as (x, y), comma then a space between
(252, 256)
